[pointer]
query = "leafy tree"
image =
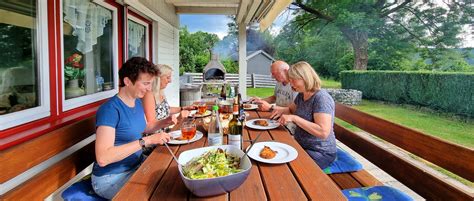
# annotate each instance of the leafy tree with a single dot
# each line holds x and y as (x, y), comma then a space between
(326, 51)
(195, 49)
(399, 25)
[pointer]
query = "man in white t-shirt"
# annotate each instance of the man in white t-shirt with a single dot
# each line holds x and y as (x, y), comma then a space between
(283, 94)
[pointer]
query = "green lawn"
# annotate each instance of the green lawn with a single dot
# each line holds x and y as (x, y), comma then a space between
(266, 92)
(443, 127)
(328, 83)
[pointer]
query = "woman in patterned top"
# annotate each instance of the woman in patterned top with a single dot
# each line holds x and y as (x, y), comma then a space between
(313, 112)
(155, 104)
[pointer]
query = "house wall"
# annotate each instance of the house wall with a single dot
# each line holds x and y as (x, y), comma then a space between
(164, 10)
(166, 44)
(259, 64)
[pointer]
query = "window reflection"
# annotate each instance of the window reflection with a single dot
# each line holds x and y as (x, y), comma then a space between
(88, 52)
(18, 70)
(136, 39)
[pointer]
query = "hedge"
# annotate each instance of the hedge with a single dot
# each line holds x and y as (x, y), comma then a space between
(450, 92)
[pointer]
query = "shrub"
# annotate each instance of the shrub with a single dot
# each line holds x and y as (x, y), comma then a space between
(450, 92)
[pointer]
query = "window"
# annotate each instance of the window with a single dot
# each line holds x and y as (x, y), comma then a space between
(90, 68)
(24, 80)
(137, 37)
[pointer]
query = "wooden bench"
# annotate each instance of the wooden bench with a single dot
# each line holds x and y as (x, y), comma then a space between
(457, 159)
(21, 158)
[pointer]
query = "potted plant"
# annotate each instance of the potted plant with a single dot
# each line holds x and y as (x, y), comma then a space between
(74, 75)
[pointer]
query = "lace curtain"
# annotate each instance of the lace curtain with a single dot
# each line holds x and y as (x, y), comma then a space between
(88, 21)
(136, 33)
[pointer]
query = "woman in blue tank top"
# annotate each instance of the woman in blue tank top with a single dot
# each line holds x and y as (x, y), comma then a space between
(120, 123)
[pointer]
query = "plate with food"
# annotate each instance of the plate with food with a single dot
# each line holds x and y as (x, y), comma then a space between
(178, 138)
(197, 114)
(262, 124)
(249, 106)
(272, 152)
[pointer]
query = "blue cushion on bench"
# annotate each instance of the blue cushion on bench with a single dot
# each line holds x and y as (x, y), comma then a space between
(81, 190)
(382, 193)
(344, 163)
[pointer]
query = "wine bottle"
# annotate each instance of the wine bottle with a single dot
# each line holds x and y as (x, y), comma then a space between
(235, 128)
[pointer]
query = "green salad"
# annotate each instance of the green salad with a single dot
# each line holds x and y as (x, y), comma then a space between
(214, 163)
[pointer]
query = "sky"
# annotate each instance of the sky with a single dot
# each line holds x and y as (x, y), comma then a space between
(217, 24)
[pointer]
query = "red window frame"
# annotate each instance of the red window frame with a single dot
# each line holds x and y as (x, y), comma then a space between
(22, 133)
(150, 32)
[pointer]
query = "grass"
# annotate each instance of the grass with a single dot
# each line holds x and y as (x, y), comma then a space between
(266, 92)
(430, 123)
(260, 92)
(329, 83)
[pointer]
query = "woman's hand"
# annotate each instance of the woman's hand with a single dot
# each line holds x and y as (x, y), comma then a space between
(286, 118)
(189, 107)
(263, 105)
(159, 138)
(254, 99)
(278, 111)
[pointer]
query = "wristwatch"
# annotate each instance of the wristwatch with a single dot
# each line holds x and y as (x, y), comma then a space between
(141, 142)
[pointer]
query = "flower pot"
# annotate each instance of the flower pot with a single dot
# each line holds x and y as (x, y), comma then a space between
(73, 89)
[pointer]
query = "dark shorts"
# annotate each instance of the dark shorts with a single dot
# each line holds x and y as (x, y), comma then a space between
(322, 159)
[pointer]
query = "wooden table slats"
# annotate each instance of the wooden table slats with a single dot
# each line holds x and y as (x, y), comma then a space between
(158, 177)
(315, 183)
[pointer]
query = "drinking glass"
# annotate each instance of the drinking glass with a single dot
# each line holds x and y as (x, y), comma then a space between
(202, 107)
(188, 130)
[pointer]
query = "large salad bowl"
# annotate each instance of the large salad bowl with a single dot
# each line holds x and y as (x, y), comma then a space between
(218, 185)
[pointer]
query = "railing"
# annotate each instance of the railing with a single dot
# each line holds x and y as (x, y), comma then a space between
(253, 80)
(455, 158)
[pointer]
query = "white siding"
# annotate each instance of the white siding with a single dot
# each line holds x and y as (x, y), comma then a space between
(165, 10)
(168, 53)
(166, 43)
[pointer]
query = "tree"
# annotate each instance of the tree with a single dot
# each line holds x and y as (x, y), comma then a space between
(415, 22)
(327, 50)
(195, 49)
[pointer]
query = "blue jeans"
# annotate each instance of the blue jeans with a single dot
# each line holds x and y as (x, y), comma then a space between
(322, 159)
(107, 186)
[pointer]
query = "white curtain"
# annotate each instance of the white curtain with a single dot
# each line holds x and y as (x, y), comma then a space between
(88, 21)
(136, 33)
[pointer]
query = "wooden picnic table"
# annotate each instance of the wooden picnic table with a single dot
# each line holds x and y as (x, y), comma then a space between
(301, 179)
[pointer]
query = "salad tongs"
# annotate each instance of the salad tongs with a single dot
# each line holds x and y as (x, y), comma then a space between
(171, 152)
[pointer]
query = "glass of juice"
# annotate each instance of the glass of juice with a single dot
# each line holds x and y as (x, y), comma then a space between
(188, 130)
(202, 107)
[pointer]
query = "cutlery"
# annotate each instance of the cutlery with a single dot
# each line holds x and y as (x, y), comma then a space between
(171, 152)
(250, 147)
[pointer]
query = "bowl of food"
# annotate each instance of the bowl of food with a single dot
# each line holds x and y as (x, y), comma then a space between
(213, 170)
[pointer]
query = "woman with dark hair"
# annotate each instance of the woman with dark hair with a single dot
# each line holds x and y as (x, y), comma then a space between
(120, 123)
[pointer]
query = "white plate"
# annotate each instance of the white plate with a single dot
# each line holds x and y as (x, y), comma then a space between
(285, 153)
(177, 133)
(271, 124)
(195, 114)
(252, 106)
